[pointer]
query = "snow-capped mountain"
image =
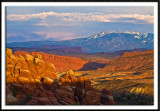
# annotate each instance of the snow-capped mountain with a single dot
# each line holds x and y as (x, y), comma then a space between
(101, 42)
(101, 34)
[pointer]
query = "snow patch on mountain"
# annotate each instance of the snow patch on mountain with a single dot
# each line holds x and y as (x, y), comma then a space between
(144, 41)
(133, 32)
(137, 36)
(145, 35)
(98, 35)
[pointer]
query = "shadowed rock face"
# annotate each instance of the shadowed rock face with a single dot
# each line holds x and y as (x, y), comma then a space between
(131, 61)
(84, 93)
(106, 97)
(62, 63)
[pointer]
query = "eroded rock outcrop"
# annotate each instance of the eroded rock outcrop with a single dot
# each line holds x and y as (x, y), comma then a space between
(32, 81)
(84, 93)
(27, 67)
(68, 79)
(62, 63)
(106, 97)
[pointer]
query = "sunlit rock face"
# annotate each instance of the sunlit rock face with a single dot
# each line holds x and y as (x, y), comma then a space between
(27, 67)
(32, 81)
(131, 61)
(62, 63)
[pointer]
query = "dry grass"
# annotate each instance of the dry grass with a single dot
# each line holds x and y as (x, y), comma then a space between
(132, 87)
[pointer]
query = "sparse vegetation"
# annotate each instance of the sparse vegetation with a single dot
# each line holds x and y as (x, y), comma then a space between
(58, 99)
(27, 99)
(14, 91)
(77, 104)
(126, 98)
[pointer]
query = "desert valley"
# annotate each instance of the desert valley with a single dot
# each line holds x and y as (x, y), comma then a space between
(108, 68)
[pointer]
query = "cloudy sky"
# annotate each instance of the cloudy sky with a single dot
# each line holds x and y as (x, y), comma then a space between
(40, 23)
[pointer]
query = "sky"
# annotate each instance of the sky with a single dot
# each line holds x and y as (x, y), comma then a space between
(40, 23)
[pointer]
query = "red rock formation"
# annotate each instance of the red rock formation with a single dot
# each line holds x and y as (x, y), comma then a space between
(131, 61)
(83, 83)
(22, 53)
(65, 95)
(106, 97)
(31, 81)
(68, 79)
(62, 63)
(27, 67)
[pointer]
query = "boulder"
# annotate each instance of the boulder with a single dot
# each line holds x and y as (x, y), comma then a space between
(13, 57)
(36, 60)
(10, 69)
(20, 90)
(51, 66)
(29, 57)
(38, 82)
(8, 51)
(64, 82)
(35, 83)
(91, 98)
(68, 79)
(11, 100)
(38, 56)
(83, 83)
(20, 57)
(43, 101)
(46, 81)
(23, 80)
(106, 97)
(11, 79)
(65, 95)
(25, 73)
(49, 84)
(16, 87)
(70, 71)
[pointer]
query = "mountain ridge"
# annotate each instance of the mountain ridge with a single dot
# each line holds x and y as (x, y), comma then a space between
(100, 42)
(132, 61)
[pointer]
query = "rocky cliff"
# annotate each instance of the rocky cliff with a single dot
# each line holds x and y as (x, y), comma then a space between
(32, 81)
(131, 61)
(62, 63)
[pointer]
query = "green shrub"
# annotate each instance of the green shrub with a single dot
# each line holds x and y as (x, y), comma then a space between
(58, 99)
(77, 104)
(27, 99)
(14, 91)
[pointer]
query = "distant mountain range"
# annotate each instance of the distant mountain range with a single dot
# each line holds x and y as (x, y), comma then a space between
(101, 42)
(49, 49)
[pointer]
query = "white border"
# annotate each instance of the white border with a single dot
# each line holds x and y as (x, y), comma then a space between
(155, 4)
(80, 4)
